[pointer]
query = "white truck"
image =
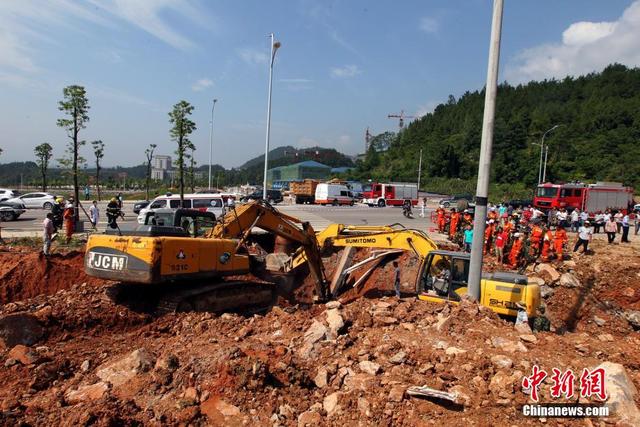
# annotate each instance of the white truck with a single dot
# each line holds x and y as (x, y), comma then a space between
(333, 194)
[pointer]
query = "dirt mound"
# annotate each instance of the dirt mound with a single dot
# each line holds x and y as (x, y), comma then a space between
(26, 275)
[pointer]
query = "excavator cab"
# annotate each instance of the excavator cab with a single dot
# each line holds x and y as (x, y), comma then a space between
(444, 276)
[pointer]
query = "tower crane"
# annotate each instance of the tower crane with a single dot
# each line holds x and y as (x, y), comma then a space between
(401, 118)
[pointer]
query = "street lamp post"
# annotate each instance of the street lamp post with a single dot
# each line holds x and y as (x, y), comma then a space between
(546, 151)
(274, 47)
(211, 141)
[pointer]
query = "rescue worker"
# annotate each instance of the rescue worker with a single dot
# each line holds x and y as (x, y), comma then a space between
(57, 210)
(113, 212)
(69, 218)
(536, 238)
(441, 221)
(541, 323)
(547, 241)
(488, 237)
(559, 241)
(516, 247)
(453, 224)
(467, 217)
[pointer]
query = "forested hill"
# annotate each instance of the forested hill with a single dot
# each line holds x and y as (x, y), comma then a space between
(599, 138)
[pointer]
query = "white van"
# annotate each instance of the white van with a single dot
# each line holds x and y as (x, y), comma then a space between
(212, 202)
(333, 194)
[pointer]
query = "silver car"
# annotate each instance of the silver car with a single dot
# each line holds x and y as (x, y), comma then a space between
(35, 200)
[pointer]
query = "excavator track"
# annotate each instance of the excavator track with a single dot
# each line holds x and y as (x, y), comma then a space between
(225, 296)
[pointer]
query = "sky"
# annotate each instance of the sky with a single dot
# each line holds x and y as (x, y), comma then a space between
(343, 66)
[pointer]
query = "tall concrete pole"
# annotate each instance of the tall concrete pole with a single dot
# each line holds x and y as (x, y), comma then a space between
(540, 165)
(419, 170)
(274, 47)
(211, 141)
(484, 166)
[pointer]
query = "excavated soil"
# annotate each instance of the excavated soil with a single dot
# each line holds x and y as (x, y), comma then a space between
(27, 274)
(296, 364)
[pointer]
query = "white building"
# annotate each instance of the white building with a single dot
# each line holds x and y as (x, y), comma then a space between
(161, 167)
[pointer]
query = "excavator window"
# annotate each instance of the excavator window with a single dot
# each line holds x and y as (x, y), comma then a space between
(460, 277)
(437, 277)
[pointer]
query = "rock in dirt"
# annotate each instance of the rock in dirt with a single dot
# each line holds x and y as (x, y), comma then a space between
(536, 280)
(599, 321)
(546, 291)
(397, 393)
(24, 354)
(331, 403)
(398, 358)
(568, 280)
(86, 393)
(335, 322)
(454, 351)
(523, 328)
(309, 418)
(322, 377)
(622, 393)
(218, 411)
(507, 345)
(547, 272)
(530, 338)
(364, 407)
(633, 317)
(370, 368)
(125, 369)
(316, 332)
(331, 305)
(84, 367)
(19, 328)
(501, 362)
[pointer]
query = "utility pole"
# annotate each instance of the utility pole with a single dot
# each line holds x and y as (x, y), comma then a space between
(211, 142)
(484, 165)
(419, 169)
(546, 152)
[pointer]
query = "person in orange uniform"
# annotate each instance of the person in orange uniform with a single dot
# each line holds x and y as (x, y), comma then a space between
(488, 237)
(441, 219)
(516, 248)
(547, 241)
(559, 241)
(69, 218)
(467, 217)
(536, 238)
(453, 224)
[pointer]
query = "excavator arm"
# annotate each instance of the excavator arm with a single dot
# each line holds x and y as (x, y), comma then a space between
(238, 223)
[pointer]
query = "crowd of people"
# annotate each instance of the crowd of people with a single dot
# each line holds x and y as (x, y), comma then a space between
(518, 236)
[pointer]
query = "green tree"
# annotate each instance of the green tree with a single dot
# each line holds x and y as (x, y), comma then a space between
(182, 128)
(98, 152)
(76, 106)
(149, 154)
(43, 155)
(192, 164)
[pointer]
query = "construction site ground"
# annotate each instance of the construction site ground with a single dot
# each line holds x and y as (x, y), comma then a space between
(71, 356)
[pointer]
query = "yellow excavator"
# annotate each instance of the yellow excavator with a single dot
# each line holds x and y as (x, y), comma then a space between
(442, 275)
(192, 254)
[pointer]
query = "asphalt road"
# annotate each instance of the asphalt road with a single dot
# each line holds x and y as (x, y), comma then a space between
(30, 223)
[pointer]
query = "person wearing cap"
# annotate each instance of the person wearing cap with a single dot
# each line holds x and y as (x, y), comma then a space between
(536, 238)
(466, 217)
(113, 210)
(69, 218)
(547, 241)
(57, 210)
(488, 237)
(584, 237)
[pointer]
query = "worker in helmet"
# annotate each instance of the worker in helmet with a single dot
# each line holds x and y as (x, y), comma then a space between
(453, 224)
(113, 212)
(57, 210)
(69, 217)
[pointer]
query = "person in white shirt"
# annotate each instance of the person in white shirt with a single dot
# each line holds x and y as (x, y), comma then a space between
(94, 214)
(618, 217)
(584, 237)
(607, 216)
(625, 229)
(584, 216)
(575, 220)
(598, 222)
(562, 216)
(536, 213)
(47, 233)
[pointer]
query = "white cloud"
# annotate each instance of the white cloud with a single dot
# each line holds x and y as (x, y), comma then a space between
(344, 140)
(585, 47)
(201, 84)
(253, 56)
(427, 108)
(146, 14)
(429, 25)
(345, 72)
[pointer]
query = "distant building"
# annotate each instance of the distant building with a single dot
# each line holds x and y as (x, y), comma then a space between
(281, 176)
(161, 168)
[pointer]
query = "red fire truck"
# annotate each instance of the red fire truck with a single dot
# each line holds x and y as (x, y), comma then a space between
(586, 197)
(391, 194)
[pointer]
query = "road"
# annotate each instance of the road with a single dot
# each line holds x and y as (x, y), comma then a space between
(30, 223)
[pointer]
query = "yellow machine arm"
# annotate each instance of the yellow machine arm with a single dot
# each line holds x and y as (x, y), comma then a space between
(238, 223)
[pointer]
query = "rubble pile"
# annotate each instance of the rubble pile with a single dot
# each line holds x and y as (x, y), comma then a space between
(74, 357)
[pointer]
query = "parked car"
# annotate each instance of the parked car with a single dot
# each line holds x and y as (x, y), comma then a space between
(334, 194)
(6, 194)
(516, 203)
(453, 201)
(213, 203)
(138, 206)
(273, 196)
(10, 211)
(35, 200)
